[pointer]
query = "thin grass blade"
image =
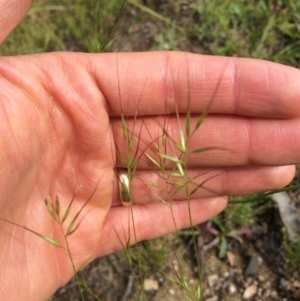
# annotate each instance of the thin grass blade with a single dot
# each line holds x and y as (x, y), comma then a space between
(50, 241)
(188, 123)
(223, 247)
(44, 237)
(57, 206)
(182, 142)
(161, 199)
(180, 169)
(153, 184)
(201, 150)
(124, 128)
(71, 225)
(198, 292)
(68, 210)
(172, 159)
(49, 209)
(73, 230)
(153, 161)
(200, 120)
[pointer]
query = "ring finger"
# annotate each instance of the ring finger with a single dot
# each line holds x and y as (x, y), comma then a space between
(154, 186)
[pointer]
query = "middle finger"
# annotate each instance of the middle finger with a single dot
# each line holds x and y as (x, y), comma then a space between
(230, 141)
(153, 186)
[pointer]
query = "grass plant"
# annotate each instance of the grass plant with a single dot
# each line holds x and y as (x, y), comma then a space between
(260, 29)
(291, 251)
(73, 223)
(220, 27)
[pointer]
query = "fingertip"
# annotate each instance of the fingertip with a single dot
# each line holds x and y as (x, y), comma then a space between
(212, 207)
(282, 176)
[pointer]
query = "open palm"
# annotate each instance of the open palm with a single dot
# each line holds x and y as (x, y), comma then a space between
(60, 121)
(56, 136)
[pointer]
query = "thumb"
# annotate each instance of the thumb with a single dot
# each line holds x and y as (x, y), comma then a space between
(11, 13)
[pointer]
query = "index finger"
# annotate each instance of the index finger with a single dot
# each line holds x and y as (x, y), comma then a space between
(165, 82)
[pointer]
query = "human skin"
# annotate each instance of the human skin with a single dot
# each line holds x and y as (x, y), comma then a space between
(60, 121)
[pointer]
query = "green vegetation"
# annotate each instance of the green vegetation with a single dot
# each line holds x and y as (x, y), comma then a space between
(261, 29)
(58, 25)
(291, 251)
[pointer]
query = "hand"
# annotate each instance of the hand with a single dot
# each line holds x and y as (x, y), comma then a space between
(60, 122)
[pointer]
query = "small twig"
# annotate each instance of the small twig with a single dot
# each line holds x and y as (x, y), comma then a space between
(129, 286)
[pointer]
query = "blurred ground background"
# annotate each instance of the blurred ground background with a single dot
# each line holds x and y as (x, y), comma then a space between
(246, 250)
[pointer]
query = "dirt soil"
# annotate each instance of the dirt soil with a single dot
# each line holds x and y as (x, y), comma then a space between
(268, 277)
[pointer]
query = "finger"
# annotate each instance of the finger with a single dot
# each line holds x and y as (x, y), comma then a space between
(152, 186)
(230, 141)
(153, 220)
(162, 82)
(12, 12)
(157, 83)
